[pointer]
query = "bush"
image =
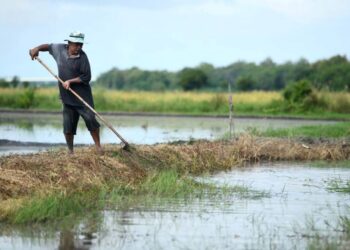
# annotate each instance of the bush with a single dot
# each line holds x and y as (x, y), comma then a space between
(301, 96)
(296, 92)
(27, 98)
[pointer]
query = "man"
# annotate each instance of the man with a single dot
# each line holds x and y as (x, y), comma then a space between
(74, 70)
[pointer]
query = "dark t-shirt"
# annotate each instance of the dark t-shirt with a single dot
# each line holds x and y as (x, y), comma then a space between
(72, 67)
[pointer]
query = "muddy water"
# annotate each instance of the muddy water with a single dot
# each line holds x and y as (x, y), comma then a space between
(298, 211)
(40, 128)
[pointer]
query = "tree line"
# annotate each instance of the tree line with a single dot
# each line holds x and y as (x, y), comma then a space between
(331, 74)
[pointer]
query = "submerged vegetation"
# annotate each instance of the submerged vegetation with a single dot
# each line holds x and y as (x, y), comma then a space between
(339, 185)
(53, 185)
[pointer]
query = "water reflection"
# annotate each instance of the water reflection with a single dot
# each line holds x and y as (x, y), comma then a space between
(70, 241)
(45, 128)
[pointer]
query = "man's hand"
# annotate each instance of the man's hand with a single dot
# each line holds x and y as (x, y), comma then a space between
(66, 84)
(34, 53)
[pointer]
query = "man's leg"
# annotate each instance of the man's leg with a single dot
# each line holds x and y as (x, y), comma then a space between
(96, 137)
(70, 141)
(92, 125)
(70, 122)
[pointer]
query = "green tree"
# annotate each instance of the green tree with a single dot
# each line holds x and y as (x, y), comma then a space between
(4, 83)
(190, 79)
(245, 83)
(15, 81)
(332, 74)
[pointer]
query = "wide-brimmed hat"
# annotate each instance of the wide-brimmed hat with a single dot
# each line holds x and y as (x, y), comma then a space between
(76, 37)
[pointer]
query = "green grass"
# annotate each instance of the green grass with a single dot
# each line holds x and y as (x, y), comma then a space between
(340, 240)
(345, 224)
(339, 185)
(56, 206)
(322, 244)
(340, 129)
(333, 164)
(193, 103)
(158, 185)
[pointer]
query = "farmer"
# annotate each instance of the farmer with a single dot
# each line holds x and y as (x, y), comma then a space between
(74, 70)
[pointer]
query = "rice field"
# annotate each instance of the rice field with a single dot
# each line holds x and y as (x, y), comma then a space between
(328, 105)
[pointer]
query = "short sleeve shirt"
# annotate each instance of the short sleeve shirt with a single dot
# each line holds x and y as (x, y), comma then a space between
(72, 67)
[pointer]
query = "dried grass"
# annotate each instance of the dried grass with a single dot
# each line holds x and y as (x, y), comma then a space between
(23, 175)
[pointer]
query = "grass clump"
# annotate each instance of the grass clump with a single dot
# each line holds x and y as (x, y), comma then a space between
(323, 244)
(339, 185)
(170, 183)
(345, 224)
(57, 205)
(340, 129)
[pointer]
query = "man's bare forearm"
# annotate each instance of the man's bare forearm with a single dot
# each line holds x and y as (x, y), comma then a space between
(67, 83)
(34, 52)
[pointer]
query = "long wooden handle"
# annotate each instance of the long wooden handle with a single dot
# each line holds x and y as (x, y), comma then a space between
(83, 101)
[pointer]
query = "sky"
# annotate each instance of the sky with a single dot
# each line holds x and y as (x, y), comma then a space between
(172, 34)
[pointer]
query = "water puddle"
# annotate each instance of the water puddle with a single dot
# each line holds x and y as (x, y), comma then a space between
(299, 211)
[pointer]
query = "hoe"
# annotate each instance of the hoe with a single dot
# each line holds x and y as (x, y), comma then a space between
(125, 144)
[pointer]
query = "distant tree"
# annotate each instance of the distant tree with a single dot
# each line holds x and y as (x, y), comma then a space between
(245, 83)
(268, 62)
(332, 74)
(25, 84)
(4, 83)
(190, 79)
(207, 68)
(302, 70)
(15, 81)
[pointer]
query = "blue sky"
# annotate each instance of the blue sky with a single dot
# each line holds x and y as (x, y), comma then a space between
(170, 35)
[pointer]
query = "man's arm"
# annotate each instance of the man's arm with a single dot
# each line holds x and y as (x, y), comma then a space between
(34, 52)
(85, 74)
(67, 83)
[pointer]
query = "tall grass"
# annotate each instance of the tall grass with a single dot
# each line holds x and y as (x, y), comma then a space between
(256, 102)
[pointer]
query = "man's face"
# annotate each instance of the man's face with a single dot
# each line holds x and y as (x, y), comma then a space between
(75, 48)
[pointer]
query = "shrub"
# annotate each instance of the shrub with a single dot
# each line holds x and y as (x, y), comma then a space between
(297, 92)
(27, 98)
(301, 96)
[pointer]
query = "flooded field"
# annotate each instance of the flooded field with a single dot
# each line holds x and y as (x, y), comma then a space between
(25, 131)
(296, 208)
(281, 206)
